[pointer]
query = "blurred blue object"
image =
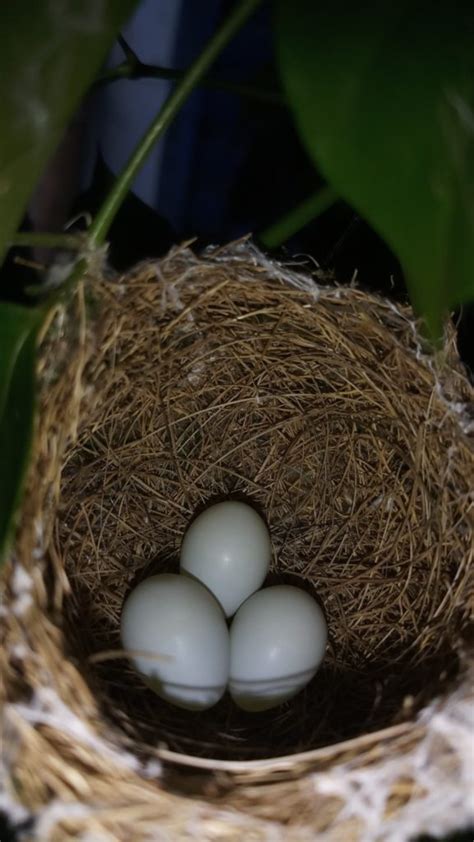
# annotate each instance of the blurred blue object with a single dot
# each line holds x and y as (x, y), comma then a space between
(188, 177)
(121, 111)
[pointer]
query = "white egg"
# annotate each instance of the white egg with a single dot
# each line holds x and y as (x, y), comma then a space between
(181, 640)
(228, 549)
(277, 642)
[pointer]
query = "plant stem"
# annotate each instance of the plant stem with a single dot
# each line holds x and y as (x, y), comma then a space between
(70, 242)
(49, 298)
(281, 231)
(139, 70)
(191, 78)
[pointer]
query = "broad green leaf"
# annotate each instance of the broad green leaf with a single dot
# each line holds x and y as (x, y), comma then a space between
(51, 51)
(18, 332)
(383, 96)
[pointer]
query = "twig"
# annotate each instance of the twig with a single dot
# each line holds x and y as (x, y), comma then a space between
(278, 233)
(134, 68)
(69, 242)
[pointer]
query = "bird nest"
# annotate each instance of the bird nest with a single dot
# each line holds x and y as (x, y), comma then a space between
(198, 379)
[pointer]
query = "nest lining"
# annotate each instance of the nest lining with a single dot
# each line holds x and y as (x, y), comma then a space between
(212, 379)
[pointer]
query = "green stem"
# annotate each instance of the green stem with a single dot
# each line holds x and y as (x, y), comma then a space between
(139, 70)
(191, 78)
(61, 292)
(69, 242)
(277, 234)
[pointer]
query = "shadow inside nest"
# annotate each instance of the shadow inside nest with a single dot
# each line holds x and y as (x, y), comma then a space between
(337, 705)
(340, 702)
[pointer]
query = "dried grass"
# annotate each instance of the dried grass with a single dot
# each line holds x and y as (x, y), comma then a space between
(196, 379)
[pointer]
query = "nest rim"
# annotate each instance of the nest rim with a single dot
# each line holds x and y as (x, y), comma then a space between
(71, 772)
(177, 314)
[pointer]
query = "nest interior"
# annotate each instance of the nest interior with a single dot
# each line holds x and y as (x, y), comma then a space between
(213, 377)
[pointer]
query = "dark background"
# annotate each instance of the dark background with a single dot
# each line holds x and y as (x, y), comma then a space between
(229, 165)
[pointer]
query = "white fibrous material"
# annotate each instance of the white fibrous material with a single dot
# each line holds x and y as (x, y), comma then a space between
(462, 410)
(46, 708)
(445, 792)
(9, 806)
(57, 811)
(19, 651)
(196, 374)
(242, 251)
(22, 586)
(152, 769)
(445, 797)
(169, 294)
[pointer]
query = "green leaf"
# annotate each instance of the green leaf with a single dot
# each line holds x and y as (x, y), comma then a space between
(18, 333)
(383, 96)
(51, 52)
